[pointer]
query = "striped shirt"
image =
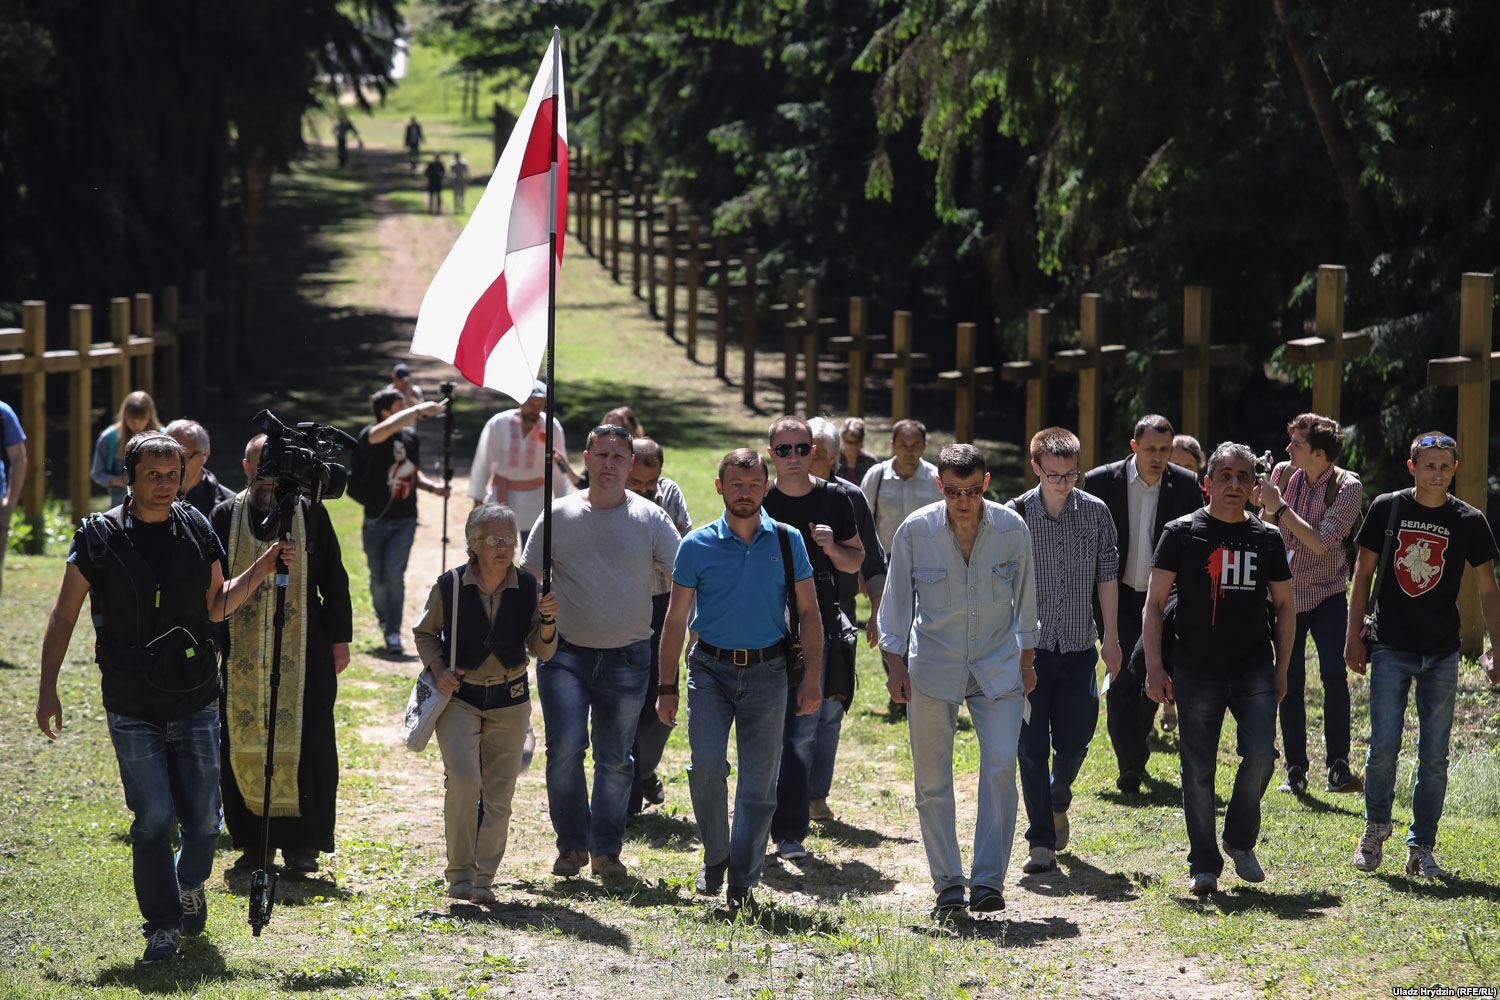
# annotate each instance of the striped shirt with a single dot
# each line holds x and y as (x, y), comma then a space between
(1316, 578)
(1073, 553)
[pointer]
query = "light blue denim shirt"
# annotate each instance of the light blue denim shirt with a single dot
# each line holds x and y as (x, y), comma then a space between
(952, 619)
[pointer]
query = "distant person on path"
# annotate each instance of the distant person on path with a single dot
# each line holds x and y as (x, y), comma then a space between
(502, 620)
(458, 176)
(137, 414)
(384, 477)
(1224, 565)
(413, 141)
(607, 545)
(12, 475)
(200, 487)
(402, 383)
(958, 624)
(1077, 563)
(732, 576)
(510, 460)
(341, 133)
(853, 460)
(150, 568)
(314, 651)
(434, 174)
(1415, 639)
(902, 483)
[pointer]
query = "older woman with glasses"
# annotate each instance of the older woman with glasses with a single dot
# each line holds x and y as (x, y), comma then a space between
(478, 652)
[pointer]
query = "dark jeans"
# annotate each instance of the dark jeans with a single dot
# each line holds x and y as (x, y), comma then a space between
(1130, 713)
(1249, 694)
(170, 771)
(651, 734)
(1326, 623)
(1064, 714)
(798, 749)
(387, 543)
(1393, 675)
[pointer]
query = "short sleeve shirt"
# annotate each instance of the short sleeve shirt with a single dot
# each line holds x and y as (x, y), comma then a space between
(389, 475)
(741, 588)
(11, 434)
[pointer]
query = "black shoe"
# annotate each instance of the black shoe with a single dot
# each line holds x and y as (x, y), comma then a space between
(652, 790)
(1296, 781)
(949, 901)
(1341, 779)
(983, 899)
(741, 900)
(1129, 782)
(303, 861)
(896, 710)
(711, 878)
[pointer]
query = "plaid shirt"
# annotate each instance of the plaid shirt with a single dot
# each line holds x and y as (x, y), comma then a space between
(1316, 578)
(1073, 554)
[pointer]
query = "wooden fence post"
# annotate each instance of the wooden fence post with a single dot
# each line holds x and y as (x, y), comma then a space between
(1196, 360)
(670, 245)
(614, 223)
(145, 327)
(791, 328)
(80, 411)
(900, 362)
(812, 338)
(1034, 372)
(1472, 371)
(635, 235)
(120, 377)
(1327, 350)
(750, 311)
(1088, 362)
(651, 252)
(721, 267)
(693, 260)
(964, 381)
(585, 177)
(34, 418)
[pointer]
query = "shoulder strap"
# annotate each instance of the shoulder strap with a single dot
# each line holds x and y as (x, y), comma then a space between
(1332, 487)
(1018, 505)
(793, 620)
(453, 602)
(1385, 551)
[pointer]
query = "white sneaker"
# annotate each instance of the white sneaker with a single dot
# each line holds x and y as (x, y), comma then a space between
(1041, 860)
(1371, 849)
(1061, 828)
(1421, 863)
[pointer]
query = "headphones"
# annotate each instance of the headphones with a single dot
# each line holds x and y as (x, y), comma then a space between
(133, 455)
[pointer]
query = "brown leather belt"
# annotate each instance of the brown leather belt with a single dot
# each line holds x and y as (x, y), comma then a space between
(741, 657)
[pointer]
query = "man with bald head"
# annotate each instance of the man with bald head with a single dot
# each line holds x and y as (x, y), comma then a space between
(200, 487)
(315, 649)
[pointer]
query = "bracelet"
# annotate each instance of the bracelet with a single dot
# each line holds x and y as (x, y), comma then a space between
(546, 621)
(664, 689)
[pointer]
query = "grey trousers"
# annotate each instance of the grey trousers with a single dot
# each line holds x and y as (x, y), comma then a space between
(481, 753)
(997, 725)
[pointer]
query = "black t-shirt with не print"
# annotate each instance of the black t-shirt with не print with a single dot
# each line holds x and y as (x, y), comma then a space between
(1417, 607)
(1224, 571)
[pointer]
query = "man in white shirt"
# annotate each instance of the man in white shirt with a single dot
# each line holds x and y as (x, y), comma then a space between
(902, 483)
(510, 460)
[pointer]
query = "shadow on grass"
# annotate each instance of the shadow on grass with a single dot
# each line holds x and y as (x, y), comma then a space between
(8, 665)
(1076, 877)
(547, 917)
(778, 919)
(827, 879)
(1307, 905)
(630, 891)
(1003, 932)
(1317, 805)
(291, 889)
(661, 830)
(1451, 887)
(198, 963)
(848, 835)
(1154, 792)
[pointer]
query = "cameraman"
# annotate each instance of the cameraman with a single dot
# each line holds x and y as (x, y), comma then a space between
(314, 651)
(1315, 505)
(151, 568)
(384, 478)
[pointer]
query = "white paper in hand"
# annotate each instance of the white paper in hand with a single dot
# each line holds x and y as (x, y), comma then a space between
(1025, 709)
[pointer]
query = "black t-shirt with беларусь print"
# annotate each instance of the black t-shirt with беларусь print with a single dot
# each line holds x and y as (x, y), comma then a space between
(1224, 572)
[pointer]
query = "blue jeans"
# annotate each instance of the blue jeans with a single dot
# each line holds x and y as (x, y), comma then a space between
(387, 544)
(1202, 699)
(170, 772)
(753, 699)
(1064, 713)
(798, 753)
(611, 683)
(1326, 623)
(1392, 672)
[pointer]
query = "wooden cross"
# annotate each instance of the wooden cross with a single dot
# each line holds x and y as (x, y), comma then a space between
(750, 311)
(694, 250)
(900, 362)
(787, 313)
(1088, 361)
(615, 198)
(585, 200)
(964, 381)
(605, 194)
(635, 234)
(854, 346)
(1471, 372)
(1326, 351)
(164, 343)
(1034, 372)
(720, 266)
(649, 219)
(136, 372)
(1196, 359)
(669, 237)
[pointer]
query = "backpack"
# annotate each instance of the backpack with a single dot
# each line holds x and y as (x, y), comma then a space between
(1330, 494)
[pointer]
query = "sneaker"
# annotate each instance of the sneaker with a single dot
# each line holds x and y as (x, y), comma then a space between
(460, 890)
(570, 863)
(161, 946)
(301, 860)
(483, 895)
(1168, 717)
(741, 900)
(818, 809)
(1041, 860)
(983, 899)
(949, 901)
(1371, 849)
(1204, 884)
(608, 867)
(711, 878)
(1421, 863)
(652, 790)
(194, 908)
(1129, 782)
(791, 850)
(1062, 828)
(1296, 781)
(1246, 865)
(1341, 779)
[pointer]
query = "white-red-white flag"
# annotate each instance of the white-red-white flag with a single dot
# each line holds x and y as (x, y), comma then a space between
(486, 309)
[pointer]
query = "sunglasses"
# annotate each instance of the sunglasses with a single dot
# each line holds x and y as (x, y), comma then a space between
(963, 491)
(1436, 441)
(785, 450)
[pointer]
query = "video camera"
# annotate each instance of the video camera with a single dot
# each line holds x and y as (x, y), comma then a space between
(1264, 463)
(301, 459)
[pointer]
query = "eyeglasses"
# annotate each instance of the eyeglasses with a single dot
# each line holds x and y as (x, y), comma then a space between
(963, 491)
(1059, 478)
(1436, 441)
(785, 450)
(496, 541)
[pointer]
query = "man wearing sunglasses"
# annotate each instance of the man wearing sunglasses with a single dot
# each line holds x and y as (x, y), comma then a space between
(1414, 544)
(1223, 564)
(1077, 560)
(824, 515)
(958, 624)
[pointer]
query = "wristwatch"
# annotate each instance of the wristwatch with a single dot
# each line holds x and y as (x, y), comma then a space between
(666, 689)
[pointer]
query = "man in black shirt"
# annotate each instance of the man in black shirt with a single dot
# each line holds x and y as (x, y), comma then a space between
(1415, 641)
(823, 513)
(384, 478)
(151, 570)
(1223, 564)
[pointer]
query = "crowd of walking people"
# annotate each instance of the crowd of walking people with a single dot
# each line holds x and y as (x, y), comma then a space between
(1196, 575)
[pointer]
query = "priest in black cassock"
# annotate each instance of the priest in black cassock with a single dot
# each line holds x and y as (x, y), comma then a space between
(315, 649)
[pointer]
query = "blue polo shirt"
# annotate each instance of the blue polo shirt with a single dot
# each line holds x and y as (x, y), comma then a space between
(10, 434)
(741, 588)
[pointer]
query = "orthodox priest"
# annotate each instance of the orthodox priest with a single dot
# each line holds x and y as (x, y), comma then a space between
(314, 650)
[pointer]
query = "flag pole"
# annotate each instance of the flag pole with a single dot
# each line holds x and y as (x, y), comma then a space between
(551, 463)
